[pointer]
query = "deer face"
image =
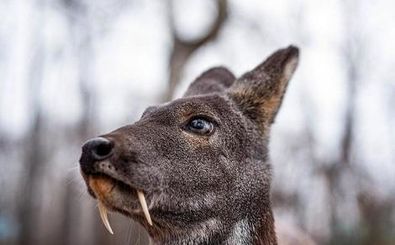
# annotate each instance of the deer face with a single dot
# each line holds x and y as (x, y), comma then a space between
(195, 157)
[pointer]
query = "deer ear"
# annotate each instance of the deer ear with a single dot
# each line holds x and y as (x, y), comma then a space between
(216, 79)
(259, 93)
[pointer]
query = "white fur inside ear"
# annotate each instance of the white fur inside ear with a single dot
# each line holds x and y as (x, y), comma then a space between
(290, 68)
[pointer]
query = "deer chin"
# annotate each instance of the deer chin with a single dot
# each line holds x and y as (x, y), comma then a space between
(118, 196)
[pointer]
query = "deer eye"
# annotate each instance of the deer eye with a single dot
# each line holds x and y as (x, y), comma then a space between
(200, 126)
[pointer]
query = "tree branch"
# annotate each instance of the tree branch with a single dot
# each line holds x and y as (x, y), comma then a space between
(183, 49)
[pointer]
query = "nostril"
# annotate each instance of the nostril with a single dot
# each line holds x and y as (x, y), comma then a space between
(98, 148)
(102, 150)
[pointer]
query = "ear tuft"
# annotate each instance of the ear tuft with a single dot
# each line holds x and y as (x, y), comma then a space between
(216, 79)
(280, 65)
(259, 93)
(287, 59)
(290, 62)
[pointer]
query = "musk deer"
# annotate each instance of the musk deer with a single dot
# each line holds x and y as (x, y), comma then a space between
(196, 170)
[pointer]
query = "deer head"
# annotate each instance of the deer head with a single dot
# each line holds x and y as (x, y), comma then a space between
(196, 169)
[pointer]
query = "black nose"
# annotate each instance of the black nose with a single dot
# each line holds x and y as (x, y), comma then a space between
(97, 149)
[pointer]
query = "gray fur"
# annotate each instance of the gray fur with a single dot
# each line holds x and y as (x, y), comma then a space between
(202, 189)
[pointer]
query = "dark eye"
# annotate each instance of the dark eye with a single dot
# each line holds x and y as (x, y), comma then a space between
(200, 126)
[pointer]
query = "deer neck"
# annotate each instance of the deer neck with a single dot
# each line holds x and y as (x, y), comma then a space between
(256, 224)
(257, 229)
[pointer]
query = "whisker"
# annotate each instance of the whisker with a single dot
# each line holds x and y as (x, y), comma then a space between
(128, 235)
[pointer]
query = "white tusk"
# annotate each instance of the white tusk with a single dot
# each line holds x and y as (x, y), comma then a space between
(144, 206)
(104, 216)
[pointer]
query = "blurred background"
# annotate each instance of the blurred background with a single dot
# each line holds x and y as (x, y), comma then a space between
(73, 69)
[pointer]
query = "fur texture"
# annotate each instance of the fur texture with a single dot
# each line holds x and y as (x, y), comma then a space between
(201, 189)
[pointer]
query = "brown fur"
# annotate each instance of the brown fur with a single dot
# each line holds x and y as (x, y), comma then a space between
(202, 187)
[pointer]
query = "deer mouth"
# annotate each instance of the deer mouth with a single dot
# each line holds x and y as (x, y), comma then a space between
(116, 195)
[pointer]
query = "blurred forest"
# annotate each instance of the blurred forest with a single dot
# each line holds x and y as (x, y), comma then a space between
(72, 69)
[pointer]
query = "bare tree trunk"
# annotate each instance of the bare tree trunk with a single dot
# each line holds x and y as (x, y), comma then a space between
(352, 54)
(333, 170)
(34, 163)
(183, 49)
(35, 159)
(80, 29)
